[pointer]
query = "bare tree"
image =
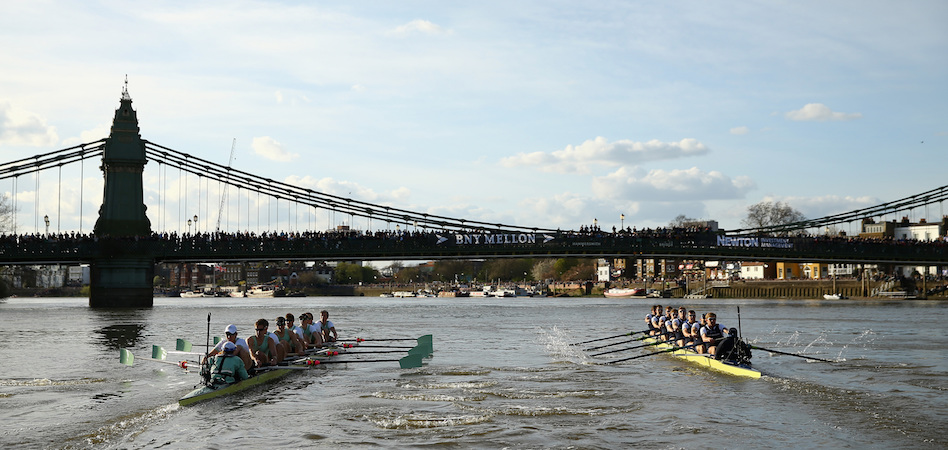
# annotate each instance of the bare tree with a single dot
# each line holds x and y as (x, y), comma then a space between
(683, 221)
(6, 215)
(768, 214)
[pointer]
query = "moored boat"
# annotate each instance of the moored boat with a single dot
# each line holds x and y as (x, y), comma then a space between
(261, 291)
(624, 292)
(741, 370)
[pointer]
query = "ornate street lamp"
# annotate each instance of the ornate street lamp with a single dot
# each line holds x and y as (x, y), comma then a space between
(622, 221)
(46, 219)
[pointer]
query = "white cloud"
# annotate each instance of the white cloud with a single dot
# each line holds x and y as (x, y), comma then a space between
(99, 132)
(348, 189)
(279, 96)
(419, 26)
(269, 148)
(826, 205)
(670, 185)
(18, 127)
(818, 112)
(580, 158)
(357, 88)
(740, 130)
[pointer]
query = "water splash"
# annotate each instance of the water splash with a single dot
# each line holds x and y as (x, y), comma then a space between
(557, 344)
(864, 340)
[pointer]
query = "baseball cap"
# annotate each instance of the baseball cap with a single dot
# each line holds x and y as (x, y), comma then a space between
(231, 329)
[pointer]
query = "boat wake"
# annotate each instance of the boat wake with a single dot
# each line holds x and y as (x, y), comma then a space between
(122, 429)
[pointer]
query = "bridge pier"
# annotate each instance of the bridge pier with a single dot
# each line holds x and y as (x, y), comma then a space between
(124, 282)
(123, 272)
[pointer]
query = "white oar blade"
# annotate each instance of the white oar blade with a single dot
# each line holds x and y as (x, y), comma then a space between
(183, 346)
(125, 357)
(158, 352)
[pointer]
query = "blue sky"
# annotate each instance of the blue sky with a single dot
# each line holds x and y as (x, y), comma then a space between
(542, 113)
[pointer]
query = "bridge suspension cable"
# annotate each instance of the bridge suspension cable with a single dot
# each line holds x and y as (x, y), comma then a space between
(295, 194)
(929, 197)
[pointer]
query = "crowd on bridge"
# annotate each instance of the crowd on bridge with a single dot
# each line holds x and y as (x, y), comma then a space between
(73, 242)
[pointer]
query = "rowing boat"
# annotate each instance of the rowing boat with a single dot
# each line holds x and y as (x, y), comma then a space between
(741, 370)
(262, 376)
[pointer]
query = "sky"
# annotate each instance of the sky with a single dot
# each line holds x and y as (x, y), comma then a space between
(552, 114)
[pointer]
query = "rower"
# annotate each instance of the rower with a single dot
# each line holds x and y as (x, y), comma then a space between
(311, 335)
(326, 327)
(230, 335)
(648, 321)
(262, 350)
(668, 327)
(278, 346)
(712, 333)
(688, 337)
(288, 339)
(227, 367)
(657, 321)
(679, 326)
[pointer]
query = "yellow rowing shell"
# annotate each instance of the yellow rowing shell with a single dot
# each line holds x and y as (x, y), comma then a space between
(691, 356)
(206, 393)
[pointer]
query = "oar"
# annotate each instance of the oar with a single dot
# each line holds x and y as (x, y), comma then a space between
(624, 349)
(408, 362)
(615, 343)
(420, 339)
(790, 354)
(630, 333)
(126, 357)
(650, 354)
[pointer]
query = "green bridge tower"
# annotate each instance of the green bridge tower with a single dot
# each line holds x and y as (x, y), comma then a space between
(122, 277)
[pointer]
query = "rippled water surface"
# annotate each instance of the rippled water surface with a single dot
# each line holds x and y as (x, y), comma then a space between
(502, 376)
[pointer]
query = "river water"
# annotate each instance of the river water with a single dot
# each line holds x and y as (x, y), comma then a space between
(502, 376)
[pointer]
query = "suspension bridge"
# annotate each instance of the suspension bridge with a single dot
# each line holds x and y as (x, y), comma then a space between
(261, 221)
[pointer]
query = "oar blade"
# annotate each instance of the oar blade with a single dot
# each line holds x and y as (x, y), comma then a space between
(125, 357)
(420, 351)
(158, 352)
(183, 345)
(425, 341)
(410, 362)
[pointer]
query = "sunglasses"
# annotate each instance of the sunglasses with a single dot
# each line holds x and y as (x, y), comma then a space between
(261, 329)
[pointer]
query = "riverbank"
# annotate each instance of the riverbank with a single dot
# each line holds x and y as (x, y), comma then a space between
(797, 289)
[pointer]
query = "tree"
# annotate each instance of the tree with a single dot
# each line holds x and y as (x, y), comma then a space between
(768, 214)
(348, 273)
(683, 221)
(6, 215)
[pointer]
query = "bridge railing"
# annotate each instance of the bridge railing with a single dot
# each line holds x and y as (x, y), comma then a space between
(436, 245)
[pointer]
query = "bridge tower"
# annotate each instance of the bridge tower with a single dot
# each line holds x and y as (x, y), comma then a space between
(121, 276)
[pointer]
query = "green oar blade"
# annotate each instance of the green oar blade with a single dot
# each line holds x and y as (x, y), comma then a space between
(410, 362)
(217, 340)
(425, 341)
(183, 346)
(158, 353)
(125, 357)
(420, 351)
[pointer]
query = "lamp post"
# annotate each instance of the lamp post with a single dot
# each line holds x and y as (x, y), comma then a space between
(46, 219)
(595, 224)
(189, 226)
(621, 221)
(195, 223)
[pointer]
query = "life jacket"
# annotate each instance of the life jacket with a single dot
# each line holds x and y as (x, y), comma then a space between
(221, 375)
(715, 332)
